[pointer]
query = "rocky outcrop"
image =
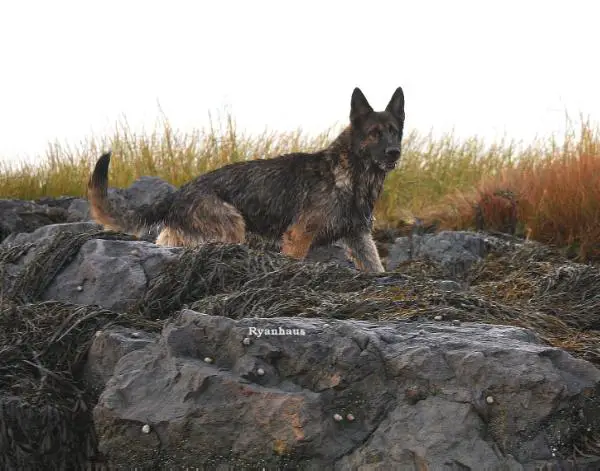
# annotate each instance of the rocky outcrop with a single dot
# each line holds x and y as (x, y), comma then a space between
(455, 251)
(342, 395)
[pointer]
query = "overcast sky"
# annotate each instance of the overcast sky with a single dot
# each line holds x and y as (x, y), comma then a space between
(72, 68)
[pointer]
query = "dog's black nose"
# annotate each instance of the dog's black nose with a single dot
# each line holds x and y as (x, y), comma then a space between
(393, 152)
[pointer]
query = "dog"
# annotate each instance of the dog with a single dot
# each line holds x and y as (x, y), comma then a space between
(299, 199)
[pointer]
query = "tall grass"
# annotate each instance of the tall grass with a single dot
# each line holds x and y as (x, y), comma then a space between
(165, 152)
(550, 194)
(548, 191)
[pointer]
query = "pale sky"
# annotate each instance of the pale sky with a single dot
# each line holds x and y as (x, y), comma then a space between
(73, 68)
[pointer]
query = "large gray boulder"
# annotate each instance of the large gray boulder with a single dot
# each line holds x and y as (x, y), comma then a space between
(109, 273)
(112, 274)
(455, 251)
(143, 191)
(344, 395)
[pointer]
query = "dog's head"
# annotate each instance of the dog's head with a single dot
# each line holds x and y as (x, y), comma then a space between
(377, 136)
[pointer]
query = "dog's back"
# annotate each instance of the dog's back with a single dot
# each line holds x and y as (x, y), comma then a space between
(267, 193)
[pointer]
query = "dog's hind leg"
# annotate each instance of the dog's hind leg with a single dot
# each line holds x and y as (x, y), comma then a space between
(208, 220)
(171, 237)
(364, 252)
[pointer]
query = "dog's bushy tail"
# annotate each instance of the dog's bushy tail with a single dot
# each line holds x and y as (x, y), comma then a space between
(105, 212)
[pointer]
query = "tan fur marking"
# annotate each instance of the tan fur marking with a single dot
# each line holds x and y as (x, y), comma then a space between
(367, 141)
(173, 238)
(214, 221)
(103, 219)
(218, 221)
(296, 241)
(97, 209)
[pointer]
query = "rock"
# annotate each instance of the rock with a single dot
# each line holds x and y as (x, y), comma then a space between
(448, 285)
(416, 393)
(331, 253)
(47, 233)
(144, 190)
(113, 274)
(455, 251)
(25, 216)
(107, 349)
(345, 395)
(78, 209)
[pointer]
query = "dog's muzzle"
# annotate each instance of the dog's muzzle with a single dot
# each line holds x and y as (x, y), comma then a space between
(392, 155)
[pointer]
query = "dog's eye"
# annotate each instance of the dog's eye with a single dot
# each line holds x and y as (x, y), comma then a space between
(393, 130)
(375, 132)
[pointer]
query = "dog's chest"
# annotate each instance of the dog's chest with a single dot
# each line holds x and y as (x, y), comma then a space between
(352, 207)
(342, 179)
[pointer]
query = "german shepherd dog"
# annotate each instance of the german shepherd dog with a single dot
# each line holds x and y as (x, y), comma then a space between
(300, 199)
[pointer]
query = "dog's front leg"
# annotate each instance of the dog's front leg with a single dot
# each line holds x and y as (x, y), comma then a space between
(364, 252)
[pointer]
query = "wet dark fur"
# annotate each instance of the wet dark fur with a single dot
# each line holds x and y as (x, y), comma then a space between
(302, 199)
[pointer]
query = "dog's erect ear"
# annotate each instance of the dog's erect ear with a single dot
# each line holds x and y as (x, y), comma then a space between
(396, 105)
(359, 105)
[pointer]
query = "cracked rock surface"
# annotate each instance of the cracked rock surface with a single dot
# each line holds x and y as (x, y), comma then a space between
(341, 395)
(110, 273)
